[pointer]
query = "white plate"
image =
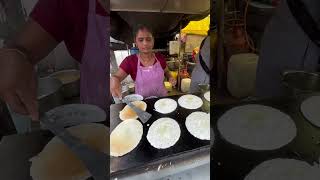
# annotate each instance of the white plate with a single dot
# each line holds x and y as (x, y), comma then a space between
(75, 114)
(133, 97)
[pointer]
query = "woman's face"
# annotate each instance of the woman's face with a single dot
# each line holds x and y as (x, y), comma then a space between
(144, 41)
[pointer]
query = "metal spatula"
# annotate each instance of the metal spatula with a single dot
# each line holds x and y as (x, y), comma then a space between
(95, 161)
(143, 116)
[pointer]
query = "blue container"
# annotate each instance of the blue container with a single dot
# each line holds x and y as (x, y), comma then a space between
(134, 50)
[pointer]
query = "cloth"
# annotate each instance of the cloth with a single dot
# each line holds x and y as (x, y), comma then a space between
(95, 64)
(129, 64)
(285, 46)
(199, 76)
(66, 20)
(149, 80)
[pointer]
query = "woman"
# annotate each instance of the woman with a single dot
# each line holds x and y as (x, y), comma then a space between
(147, 69)
(83, 26)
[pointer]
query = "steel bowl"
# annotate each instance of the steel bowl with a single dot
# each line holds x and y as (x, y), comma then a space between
(71, 82)
(49, 93)
(172, 65)
(301, 83)
(131, 87)
(191, 66)
(206, 104)
(203, 89)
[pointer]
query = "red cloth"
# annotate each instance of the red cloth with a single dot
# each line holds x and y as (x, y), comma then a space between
(66, 20)
(129, 64)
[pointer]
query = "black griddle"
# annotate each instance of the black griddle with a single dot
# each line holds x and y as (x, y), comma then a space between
(229, 161)
(144, 154)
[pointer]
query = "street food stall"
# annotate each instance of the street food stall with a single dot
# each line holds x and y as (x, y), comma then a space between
(164, 147)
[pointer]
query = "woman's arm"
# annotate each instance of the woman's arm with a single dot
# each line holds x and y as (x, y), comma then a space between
(33, 41)
(17, 75)
(115, 83)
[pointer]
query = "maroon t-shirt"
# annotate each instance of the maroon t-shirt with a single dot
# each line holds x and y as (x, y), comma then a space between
(66, 20)
(129, 64)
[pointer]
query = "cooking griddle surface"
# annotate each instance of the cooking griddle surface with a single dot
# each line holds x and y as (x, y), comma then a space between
(229, 161)
(144, 153)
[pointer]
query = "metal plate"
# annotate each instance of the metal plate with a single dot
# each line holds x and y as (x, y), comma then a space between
(144, 154)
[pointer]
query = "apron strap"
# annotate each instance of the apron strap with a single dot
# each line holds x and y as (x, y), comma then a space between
(202, 63)
(92, 6)
(305, 20)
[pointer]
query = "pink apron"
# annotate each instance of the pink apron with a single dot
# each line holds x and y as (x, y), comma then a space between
(94, 66)
(149, 80)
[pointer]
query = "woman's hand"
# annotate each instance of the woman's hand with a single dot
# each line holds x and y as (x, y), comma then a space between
(115, 87)
(115, 83)
(172, 81)
(18, 83)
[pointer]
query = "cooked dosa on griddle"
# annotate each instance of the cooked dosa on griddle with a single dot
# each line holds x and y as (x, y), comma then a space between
(165, 105)
(284, 169)
(190, 101)
(57, 161)
(128, 113)
(257, 127)
(198, 124)
(125, 137)
(310, 110)
(207, 96)
(164, 133)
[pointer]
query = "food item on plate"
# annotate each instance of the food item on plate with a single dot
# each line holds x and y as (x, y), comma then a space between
(164, 133)
(67, 78)
(57, 161)
(284, 169)
(128, 113)
(310, 110)
(190, 101)
(257, 127)
(165, 105)
(198, 124)
(125, 137)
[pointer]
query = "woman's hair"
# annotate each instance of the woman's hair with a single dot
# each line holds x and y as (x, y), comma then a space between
(141, 27)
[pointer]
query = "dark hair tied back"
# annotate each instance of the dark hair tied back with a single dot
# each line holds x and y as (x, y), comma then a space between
(141, 27)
